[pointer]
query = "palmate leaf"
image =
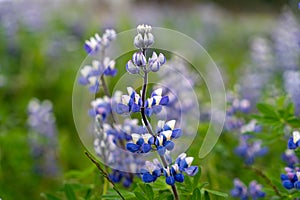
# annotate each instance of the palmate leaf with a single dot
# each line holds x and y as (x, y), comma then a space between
(267, 110)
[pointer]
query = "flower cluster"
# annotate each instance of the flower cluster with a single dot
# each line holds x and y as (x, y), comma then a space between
(291, 179)
(108, 145)
(97, 43)
(240, 190)
(162, 141)
(249, 150)
(133, 102)
(173, 173)
(90, 75)
(43, 136)
(236, 105)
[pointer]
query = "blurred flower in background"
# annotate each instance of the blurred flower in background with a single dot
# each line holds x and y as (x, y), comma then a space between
(43, 137)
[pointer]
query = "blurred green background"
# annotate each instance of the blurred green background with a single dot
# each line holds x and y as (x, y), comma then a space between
(41, 49)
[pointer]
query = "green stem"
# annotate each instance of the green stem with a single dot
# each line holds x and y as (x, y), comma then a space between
(268, 181)
(104, 174)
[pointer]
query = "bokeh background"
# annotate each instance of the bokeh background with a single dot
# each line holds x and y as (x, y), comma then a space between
(41, 50)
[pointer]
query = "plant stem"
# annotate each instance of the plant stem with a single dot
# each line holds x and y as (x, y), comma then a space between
(149, 128)
(104, 174)
(268, 181)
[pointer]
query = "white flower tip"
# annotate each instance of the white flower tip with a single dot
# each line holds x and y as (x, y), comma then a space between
(189, 160)
(135, 137)
(171, 124)
(296, 136)
(168, 134)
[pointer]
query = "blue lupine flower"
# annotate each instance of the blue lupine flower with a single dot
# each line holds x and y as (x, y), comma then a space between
(90, 74)
(143, 143)
(173, 173)
(139, 59)
(151, 171)
(255, 190)
(133, 102)
(140, 143)
(96, 43)
(43, 136)
(290, 158)
(155, 62)
(240, 190)
(109, 67)
(139, 62)
(106, 144)
(92, 44)
(291, 179)
(294, 141)
(250, 150)
(101, 107)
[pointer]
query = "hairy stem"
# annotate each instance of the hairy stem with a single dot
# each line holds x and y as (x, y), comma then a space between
(268, 181)
(104, 174)
(149, 128)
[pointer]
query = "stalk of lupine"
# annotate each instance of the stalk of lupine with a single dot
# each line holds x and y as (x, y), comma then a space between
(92, 75)
(161, 140)
(43, 136)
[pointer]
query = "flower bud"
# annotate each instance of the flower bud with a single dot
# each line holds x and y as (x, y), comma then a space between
(154, 66)
(148, 39)
(131, 68)
(141, 29)
(139, 59)
(161, 59)
(138, 41)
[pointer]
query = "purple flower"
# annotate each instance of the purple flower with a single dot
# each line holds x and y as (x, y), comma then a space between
(240, 190)
(43, 136)
(250, 150)
(290, 158)
(291, 179)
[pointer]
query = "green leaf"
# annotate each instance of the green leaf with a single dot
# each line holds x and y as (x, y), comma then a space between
(69, 192)
(217, 193)
(196, 194)
(267, 109)
(149, 191)
(206, 195)
(139, 195)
